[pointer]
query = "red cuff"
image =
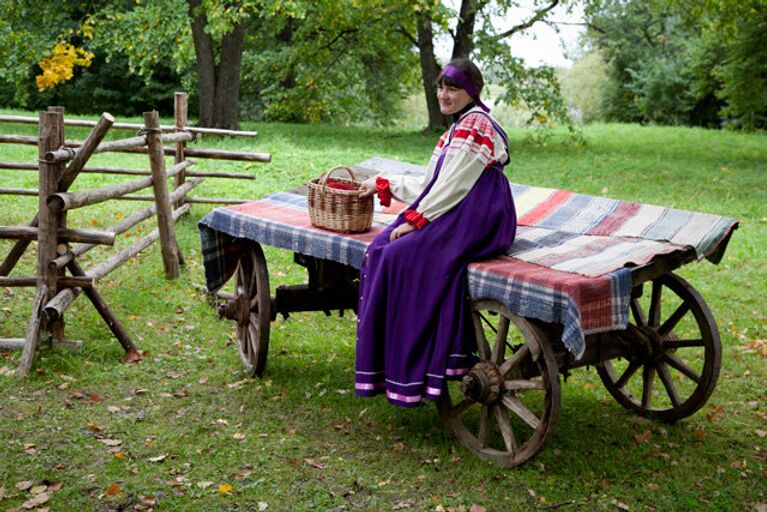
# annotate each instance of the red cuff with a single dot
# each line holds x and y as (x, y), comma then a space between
(415, 219)
(383, 191)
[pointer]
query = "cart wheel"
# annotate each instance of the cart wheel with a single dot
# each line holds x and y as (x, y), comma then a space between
(506, 407)
(252, 309)
(677, 344)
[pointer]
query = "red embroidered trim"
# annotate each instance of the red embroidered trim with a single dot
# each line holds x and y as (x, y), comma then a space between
(383, 191)
(415, 219)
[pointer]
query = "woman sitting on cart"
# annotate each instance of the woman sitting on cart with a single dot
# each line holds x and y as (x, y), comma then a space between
(415, 328)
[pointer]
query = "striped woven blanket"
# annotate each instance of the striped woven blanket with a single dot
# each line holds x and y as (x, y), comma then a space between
(568, 264)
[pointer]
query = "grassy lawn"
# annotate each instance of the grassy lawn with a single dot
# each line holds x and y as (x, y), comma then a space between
(186, 430)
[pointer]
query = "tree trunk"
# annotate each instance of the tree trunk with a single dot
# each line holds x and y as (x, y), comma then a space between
(218, 86)
(227, 100)
(429, 72)
(464, 31)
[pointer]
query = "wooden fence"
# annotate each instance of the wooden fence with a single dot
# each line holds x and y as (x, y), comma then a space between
(59, 163)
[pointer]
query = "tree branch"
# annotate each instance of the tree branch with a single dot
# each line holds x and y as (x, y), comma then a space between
(529, 23)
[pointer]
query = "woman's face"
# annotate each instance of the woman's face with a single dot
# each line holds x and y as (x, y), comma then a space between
(452, 99)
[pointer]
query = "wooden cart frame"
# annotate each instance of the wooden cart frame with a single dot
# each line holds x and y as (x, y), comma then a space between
(664, 365)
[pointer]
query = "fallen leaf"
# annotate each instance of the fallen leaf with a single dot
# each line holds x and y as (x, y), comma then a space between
(134, 356)
(225, 488)
(113, 490)
(118, 455)
(313, 463)
(242, 474)
(139, 391)
(700, 432)
(38, 489)
(262, 505)
(149, 501)
(113, 409)
(620, 505)
(63, 386)
(204, 485)
(159, 458)
(476, 508)
(55, 487)
(111, 442)
(398, 447)
(760, 507)
(173, 374)
(36, 501)
(23, 486)
(760, 432)
(239, 436)
(644, 436)
(2, 493)
(202, 380)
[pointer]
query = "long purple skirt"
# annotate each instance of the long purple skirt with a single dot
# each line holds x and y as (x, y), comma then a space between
(415, 328)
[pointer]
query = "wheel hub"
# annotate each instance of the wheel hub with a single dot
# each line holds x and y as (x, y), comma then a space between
(237, 309)
(483, 383)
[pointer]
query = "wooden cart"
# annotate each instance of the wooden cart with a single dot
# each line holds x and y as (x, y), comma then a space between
(664, 364)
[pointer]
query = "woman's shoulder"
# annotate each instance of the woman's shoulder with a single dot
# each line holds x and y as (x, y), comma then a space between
(477, 120)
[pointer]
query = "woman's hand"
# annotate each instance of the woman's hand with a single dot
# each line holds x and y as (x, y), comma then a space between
(401, 230)
(367, 188)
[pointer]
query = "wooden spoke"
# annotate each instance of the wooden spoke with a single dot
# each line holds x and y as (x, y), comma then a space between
(636, 309)
(630, 371)
(653, 316)
(671, 321)
(674, 344)
(507, 432)
(484, 425)
(648, 376)
(462, 406)
(680, 365)
(500, 340)
(482, 345)
(514, 360)
(668, 383)
(518, 408)
(516, 385)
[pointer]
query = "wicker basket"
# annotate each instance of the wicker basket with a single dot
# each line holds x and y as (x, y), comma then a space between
(336, 209)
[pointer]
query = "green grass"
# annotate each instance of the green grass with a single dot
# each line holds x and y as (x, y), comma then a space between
(298, 439)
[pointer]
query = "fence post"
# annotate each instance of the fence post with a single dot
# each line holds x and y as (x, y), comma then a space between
(50, 139)
(180, 110)
(168, 245)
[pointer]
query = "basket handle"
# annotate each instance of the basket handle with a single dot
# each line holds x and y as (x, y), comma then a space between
(326, 175)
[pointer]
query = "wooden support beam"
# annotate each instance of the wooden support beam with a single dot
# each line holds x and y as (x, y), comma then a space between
(134, 172)
(216, 154)
(19, 191)
(28, 282)
(57, 305)
(168, 245)
(18, 344)
(133, 126)
(63, 154)
(65, 235)
(71, 200)
(141, 140)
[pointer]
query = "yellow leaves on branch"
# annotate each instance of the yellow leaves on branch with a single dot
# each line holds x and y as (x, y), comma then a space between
(59, 65)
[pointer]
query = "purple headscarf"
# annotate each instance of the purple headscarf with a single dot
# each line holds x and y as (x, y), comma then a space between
(466, 84)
